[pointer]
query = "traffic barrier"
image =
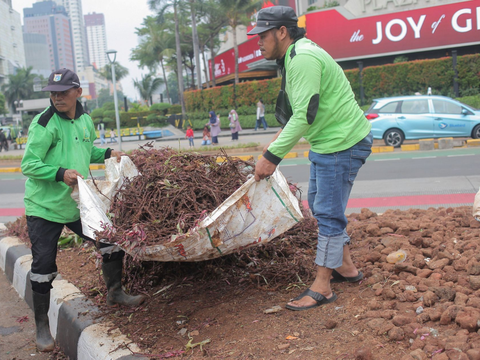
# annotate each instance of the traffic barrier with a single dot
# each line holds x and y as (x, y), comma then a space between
(426, 144)
(411, 147)
(445, 143)
(473, 142)
(381, 149)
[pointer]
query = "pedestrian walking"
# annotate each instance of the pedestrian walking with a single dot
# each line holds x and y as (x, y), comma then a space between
(60, 149)
(324, 111)
(113, 136)
(234, 124)
(260, 115)
(101, 130)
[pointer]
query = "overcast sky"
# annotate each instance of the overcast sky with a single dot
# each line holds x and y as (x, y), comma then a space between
(121, 19)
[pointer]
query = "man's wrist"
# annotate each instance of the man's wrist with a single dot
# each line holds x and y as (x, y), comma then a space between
(108, 153)
(60, 174)
(274, 159)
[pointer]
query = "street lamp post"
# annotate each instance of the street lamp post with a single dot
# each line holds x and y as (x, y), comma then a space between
(112, 54)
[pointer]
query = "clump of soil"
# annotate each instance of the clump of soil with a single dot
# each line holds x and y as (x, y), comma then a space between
(425, 307)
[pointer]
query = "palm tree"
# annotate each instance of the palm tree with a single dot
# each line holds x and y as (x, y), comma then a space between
(238, 13)
(164, 5)
(19, 86)
(196, 48)
(214, 20)
(157, 44)
(120, 72)
(146, 86)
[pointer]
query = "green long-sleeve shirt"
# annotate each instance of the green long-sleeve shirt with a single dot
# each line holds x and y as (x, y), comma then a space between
(324, 108)
(57, 143)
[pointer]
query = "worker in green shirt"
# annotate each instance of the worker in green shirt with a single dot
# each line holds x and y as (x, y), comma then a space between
(317, 103)
(59, 150)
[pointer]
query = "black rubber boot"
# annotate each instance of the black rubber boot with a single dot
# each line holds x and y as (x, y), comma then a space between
(112, 274)
(41, 304)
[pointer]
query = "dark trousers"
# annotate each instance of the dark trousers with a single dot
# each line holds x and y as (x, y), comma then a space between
(44, 236)
(214, 139)
(235, 136)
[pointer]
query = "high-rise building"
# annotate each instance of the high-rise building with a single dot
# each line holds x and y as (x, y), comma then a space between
(75, 13)
(49, 19)
(96, 39)
(12, 54)
(37, 54)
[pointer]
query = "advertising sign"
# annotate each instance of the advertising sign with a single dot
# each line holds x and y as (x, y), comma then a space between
(429, 28)
(248, 52)
(347, 38)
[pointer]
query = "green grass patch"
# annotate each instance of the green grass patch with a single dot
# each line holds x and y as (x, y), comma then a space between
(11, 157)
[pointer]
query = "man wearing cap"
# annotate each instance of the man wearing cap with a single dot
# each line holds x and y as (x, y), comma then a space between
(60, 149)
(317, 103)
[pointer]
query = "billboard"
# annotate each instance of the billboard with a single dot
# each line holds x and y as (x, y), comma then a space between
(347, 38)
(429, 28)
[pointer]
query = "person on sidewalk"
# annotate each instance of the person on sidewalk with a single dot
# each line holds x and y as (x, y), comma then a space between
(189, 135)
(316, 102)
(214, 127)
(234, 124)
(206, 139)
(101, 130)
(60, 149)
(260, 115)
(3, 141)
(113, 136)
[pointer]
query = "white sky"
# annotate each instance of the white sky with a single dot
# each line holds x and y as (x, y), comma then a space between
(121, 19)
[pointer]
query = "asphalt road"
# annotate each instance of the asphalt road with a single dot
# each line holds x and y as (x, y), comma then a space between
(407, 179)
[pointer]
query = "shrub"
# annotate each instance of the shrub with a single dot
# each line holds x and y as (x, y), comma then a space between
(160, 108)
(109, 114)
(175, 109)
(108, 106)
(97, 114)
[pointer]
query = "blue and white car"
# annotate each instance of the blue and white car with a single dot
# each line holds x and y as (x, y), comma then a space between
(395, 119)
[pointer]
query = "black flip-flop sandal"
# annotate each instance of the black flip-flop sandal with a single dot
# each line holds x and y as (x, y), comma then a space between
(337, 278)
(319, 298)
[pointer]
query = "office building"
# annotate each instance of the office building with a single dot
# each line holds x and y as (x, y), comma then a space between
(37, 54)
(96, 39)
(51, 20)
(12, 54)
(79, 39)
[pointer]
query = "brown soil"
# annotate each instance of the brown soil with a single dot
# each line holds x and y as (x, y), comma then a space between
(379, 318)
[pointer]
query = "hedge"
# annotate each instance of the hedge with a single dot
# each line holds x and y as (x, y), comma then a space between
(405, 78)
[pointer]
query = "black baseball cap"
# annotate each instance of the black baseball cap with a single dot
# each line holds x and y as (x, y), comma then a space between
(61, 80)
(274, 17)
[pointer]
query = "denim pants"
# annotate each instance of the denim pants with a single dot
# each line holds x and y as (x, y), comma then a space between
(331, 180)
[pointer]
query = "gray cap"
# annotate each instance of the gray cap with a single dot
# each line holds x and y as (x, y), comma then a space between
(274, 17)
(61, 80)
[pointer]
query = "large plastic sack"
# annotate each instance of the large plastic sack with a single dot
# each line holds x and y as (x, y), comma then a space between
(94, 197)
(476, 206)
(254, 214)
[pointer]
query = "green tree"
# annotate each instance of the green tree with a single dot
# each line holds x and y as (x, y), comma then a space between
(19, 86)
(105, 97)
(161, 6)
(238, 13)
(156, 44)
(120, 72)
(213, 21)
(2, 104)
(146, 86)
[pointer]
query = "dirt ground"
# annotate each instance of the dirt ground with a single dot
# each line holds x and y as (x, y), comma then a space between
(425, 307)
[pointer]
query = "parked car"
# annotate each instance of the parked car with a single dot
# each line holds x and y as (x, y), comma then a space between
(395, 119)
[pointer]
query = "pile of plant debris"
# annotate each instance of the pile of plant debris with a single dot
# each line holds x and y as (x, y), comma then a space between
(173, 193)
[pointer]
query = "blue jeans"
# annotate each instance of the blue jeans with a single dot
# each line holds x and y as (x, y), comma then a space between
(331, 180)
(261, 122)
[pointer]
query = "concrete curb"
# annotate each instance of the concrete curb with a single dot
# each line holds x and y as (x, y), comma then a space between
(74, 321)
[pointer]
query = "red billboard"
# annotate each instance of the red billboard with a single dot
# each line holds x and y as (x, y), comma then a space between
(430, 28)
(408, 31)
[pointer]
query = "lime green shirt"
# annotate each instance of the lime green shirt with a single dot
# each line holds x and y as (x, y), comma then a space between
(56, 143)
(324, 108)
